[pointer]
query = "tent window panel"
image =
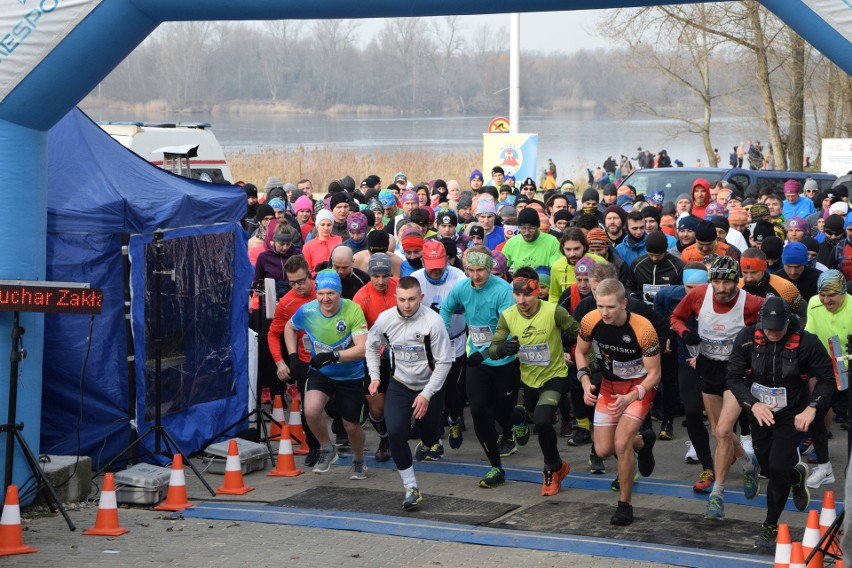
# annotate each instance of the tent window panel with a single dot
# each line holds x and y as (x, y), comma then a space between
(197, 358)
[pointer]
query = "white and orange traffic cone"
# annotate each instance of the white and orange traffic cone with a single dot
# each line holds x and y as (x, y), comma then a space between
(106, 523)
(277, 418)
(297, 433)
(285, 465)
(783, 547)
(827, 516)
(11, 534)
(797, 556)
(176, 497)
(234, 484)
(810, 540)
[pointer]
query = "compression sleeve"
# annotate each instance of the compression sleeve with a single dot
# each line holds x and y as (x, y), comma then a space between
(500, 335)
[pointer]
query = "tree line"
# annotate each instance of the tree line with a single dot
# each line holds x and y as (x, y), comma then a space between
(687, 62)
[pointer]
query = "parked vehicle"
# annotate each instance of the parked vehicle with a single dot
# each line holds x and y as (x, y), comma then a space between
(189, 149)
(675, 181)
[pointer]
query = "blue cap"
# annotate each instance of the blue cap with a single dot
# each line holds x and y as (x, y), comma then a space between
(328, 279)
(690, 222)
(795, 253)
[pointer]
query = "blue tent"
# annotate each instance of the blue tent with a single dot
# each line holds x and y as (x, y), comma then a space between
(104, 199)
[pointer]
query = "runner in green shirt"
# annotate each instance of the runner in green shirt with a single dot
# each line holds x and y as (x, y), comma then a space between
(542, 333)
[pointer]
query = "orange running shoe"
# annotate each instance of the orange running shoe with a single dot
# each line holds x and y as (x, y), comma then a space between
(705, 481)
(553, 479)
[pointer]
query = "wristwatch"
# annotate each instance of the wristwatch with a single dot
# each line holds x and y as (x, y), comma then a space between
(814, 403)
(336, 354)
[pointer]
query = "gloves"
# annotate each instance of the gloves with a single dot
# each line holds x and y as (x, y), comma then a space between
(508, 348)
(475, 359)
(691, 338)
(322, 359)
(298, 369)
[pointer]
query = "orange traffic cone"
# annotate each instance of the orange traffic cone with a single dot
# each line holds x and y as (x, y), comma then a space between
(797, 556)
(11, 535)
(233, 474)
(782, 547)
(106, 523)
(285, 465)
(810, 539)
(827, 516)
(277, 416)
(176, 497)
(297, 433)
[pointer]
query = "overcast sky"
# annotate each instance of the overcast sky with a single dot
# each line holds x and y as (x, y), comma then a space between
(541, 31)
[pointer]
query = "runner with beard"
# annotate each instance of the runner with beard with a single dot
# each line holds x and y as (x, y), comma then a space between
(574, 246)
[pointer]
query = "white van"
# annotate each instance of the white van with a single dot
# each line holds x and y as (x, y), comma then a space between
(174, 146)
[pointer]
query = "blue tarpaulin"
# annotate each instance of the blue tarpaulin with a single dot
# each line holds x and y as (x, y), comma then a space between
(100, 197)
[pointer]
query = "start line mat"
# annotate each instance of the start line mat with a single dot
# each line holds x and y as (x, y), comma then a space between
(652, 526)
(381, 502)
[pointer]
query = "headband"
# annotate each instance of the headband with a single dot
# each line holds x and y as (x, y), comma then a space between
(695, 276)
(753, 264)
(328, 280)
(521, 285)
(474, 258)
(831, 282)
(413, 242)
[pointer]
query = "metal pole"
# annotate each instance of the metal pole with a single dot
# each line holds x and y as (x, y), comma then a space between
(514, 73)
(11, 416)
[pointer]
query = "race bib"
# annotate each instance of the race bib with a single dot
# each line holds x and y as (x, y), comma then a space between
(650, 290)
(306, 343)
(409, 353)
(481, 335)
(630, 370)
(535, 354)
(770, 396)
(718, 349)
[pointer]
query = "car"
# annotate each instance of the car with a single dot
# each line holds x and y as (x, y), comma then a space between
(675, 181)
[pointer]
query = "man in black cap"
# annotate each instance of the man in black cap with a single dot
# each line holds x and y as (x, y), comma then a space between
(834, 234)
(610, 196)
(589, 205)
(528, 189)
(765, 373)
(686, 227)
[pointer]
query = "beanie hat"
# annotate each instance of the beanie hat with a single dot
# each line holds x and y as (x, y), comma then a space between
(378, 241)
(447, 217)
(839, 208)
(618, 211)
(772, 247)
(811, 184)
(810, 243)
(486, 206)
(656, 197)
(303, 203)
(277, 204)
(684, 196)
(328, 279)
(562, 215)
(597, 237)
(656, 242)
(356, 223)
(476, 174)
(833, 224)
(508, 212)
(347, 182)
(725, 268)
(706, 232)
(325, 215)
(409, 195)
(736, 195)
(758, 211)
(591, 195)
(610, 189)
(792, 186)
(250, 189)
(721, 223)
(762, 229)
(476, 230)
(797, 223)
(465, 200)
(795, 253)
(584, 265)
(337, 199)
(379, 263)
(335, 186)
(386, 198)
(652, 212)
(264, 210)
(271, 183)
(831, 282)
(713, 210)
(623, 201)
(737, 215)
(688, 222)
(501, 263)
(528, 216)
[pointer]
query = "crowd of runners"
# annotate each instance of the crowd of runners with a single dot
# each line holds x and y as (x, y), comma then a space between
(560, 314)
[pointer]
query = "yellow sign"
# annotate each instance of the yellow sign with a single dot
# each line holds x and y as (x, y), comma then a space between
(499, 125)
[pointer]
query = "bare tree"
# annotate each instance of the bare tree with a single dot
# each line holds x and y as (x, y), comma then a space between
(447, 34)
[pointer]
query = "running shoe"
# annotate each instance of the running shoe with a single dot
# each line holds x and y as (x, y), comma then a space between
(705, 481)
(596, 464)
(566, 429)
(456, 436)
(506, 445)
(493, 478)
(715, 508)
(801, 495)
(358, 470)
(325, 460)
(751, 481)
(383, 451)
(623, 515)
(520, 428)
(420, 451)
(412, 498)
(580, 437)
(645, 456)
(553, 479)
(766, 538)
(747, 444)
(667, 430)
(435, 453)
(616, 484)
(806, 445)
(312, 457)
(821, 474)
(691, 456)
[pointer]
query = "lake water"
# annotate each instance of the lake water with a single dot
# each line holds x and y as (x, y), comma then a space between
(569, 139)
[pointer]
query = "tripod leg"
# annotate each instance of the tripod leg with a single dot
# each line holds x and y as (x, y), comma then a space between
(42, 482)
(187, 461)
(120, 454)
(264, 432)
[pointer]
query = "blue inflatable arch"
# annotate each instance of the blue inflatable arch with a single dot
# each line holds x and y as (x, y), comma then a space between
(54, 52)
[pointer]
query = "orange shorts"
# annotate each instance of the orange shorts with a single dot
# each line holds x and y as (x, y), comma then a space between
(637, 410)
